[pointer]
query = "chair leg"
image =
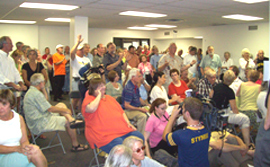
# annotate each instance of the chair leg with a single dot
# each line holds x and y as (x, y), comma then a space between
(60, 141)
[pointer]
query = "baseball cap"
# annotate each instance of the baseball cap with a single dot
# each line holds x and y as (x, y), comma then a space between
(80, 47)
(59, 46)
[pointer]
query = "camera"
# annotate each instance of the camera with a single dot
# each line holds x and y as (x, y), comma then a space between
(212, 118)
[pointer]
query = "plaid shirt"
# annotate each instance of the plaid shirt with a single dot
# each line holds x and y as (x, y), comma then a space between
(205, 87)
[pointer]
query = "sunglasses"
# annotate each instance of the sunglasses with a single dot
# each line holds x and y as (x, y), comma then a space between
(138, 150)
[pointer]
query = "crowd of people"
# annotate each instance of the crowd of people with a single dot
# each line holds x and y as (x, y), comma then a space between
(135, 102)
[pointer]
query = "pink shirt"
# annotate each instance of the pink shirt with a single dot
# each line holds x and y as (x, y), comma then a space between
(156, 126)
(141, 66)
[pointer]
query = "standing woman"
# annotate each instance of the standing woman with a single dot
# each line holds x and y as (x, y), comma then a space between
(227, 63)
(154, 128)
(244, 63)
(32, 67)
(146, 69)
(15, 149)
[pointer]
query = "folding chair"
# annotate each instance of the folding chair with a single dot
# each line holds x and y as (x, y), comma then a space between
(74, 95)
(34, 138)
(96, 158)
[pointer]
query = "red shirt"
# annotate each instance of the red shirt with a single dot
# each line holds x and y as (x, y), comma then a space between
(50, 60)
(179, 91)
(106, 123)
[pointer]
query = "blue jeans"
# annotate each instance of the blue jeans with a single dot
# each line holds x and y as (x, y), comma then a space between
(107, 148)
(67, 82)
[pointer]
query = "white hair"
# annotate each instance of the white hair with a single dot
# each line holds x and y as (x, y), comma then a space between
(245, 50)
(119, 156)
(36, 79)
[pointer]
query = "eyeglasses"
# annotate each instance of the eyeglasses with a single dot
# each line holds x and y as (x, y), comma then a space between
(140, 149)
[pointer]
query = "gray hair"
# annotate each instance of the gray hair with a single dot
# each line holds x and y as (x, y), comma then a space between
(3, 40)
(130, 141)
(36, 79)
(119, 156)
(133, 72)
(25, 47)
(32, 50)
(18, 44)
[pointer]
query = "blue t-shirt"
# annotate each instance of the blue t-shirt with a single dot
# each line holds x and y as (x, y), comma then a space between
(131, 94)
(192, 146)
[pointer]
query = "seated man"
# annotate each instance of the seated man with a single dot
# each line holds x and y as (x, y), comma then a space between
(234, 151)
(206, 84)
(132, 102)
(193, 141)
(223, 96)
(42, 116)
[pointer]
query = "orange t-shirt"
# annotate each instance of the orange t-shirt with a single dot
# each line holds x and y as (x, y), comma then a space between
(59, 69)
(106, 123)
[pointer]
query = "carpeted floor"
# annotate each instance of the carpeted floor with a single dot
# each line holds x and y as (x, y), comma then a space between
(56, 157)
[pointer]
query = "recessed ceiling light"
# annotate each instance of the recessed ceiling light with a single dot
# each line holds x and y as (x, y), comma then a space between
(198, 37)
(142, 28)
(58, 19)
(142, 14)
(17, 21)
(242, 17)
(48, 6)
(160, 26)
(251, 1)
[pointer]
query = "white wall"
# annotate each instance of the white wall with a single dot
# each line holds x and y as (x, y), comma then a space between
(180, 43)
(25, 33)
(232, 38)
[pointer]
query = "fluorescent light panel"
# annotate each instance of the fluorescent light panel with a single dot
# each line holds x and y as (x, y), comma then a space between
(142, 14)
(48, 6)
(58, 19)
(160, 26)
(142, 28)
(242, 17)
(251, 1)
(17, 21)
(198, 37)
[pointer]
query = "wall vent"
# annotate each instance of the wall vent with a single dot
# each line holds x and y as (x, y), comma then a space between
(166, 33)
(252, 28)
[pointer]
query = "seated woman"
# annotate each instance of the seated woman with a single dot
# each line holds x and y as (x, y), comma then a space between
(15, 149)
(158, 91)
(138, 158)
(177, 86)
(119, 156)
(106, 124)
(154, 128)
(248, 93)
(113, 88)
(146, 69)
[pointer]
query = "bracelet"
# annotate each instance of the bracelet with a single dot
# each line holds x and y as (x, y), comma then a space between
(191, 65)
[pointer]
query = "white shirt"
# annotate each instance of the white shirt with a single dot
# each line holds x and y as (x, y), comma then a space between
(260, 103)
(8, 71)
(242, 67)
(159, 93)
(77, 64)
(227, 64)
(10, 131)
(187, 60)
(236, 84)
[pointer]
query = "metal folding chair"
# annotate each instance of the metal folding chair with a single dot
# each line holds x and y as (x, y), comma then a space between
(34, 138)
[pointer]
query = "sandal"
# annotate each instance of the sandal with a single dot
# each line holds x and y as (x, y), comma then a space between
(80, 147)
(251, 146)
(76, 124)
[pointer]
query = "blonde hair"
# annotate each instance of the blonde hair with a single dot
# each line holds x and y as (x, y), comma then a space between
(245, 50)
(210, 72)
(228, 77)
(130, 141)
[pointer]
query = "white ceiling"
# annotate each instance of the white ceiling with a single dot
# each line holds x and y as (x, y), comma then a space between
(104, 13)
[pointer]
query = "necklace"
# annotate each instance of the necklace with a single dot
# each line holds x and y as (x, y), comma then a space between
(198, 125)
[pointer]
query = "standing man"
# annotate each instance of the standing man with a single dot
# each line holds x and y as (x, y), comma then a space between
(259, 60)
(134, 61)
(86, 52)
(9, 75)
(168, 62)
(112, 61)
(211, 60)
(97, 60)
(78, 60)
(59, 63)
(66, 87)
(190, 60)
(193, 141)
